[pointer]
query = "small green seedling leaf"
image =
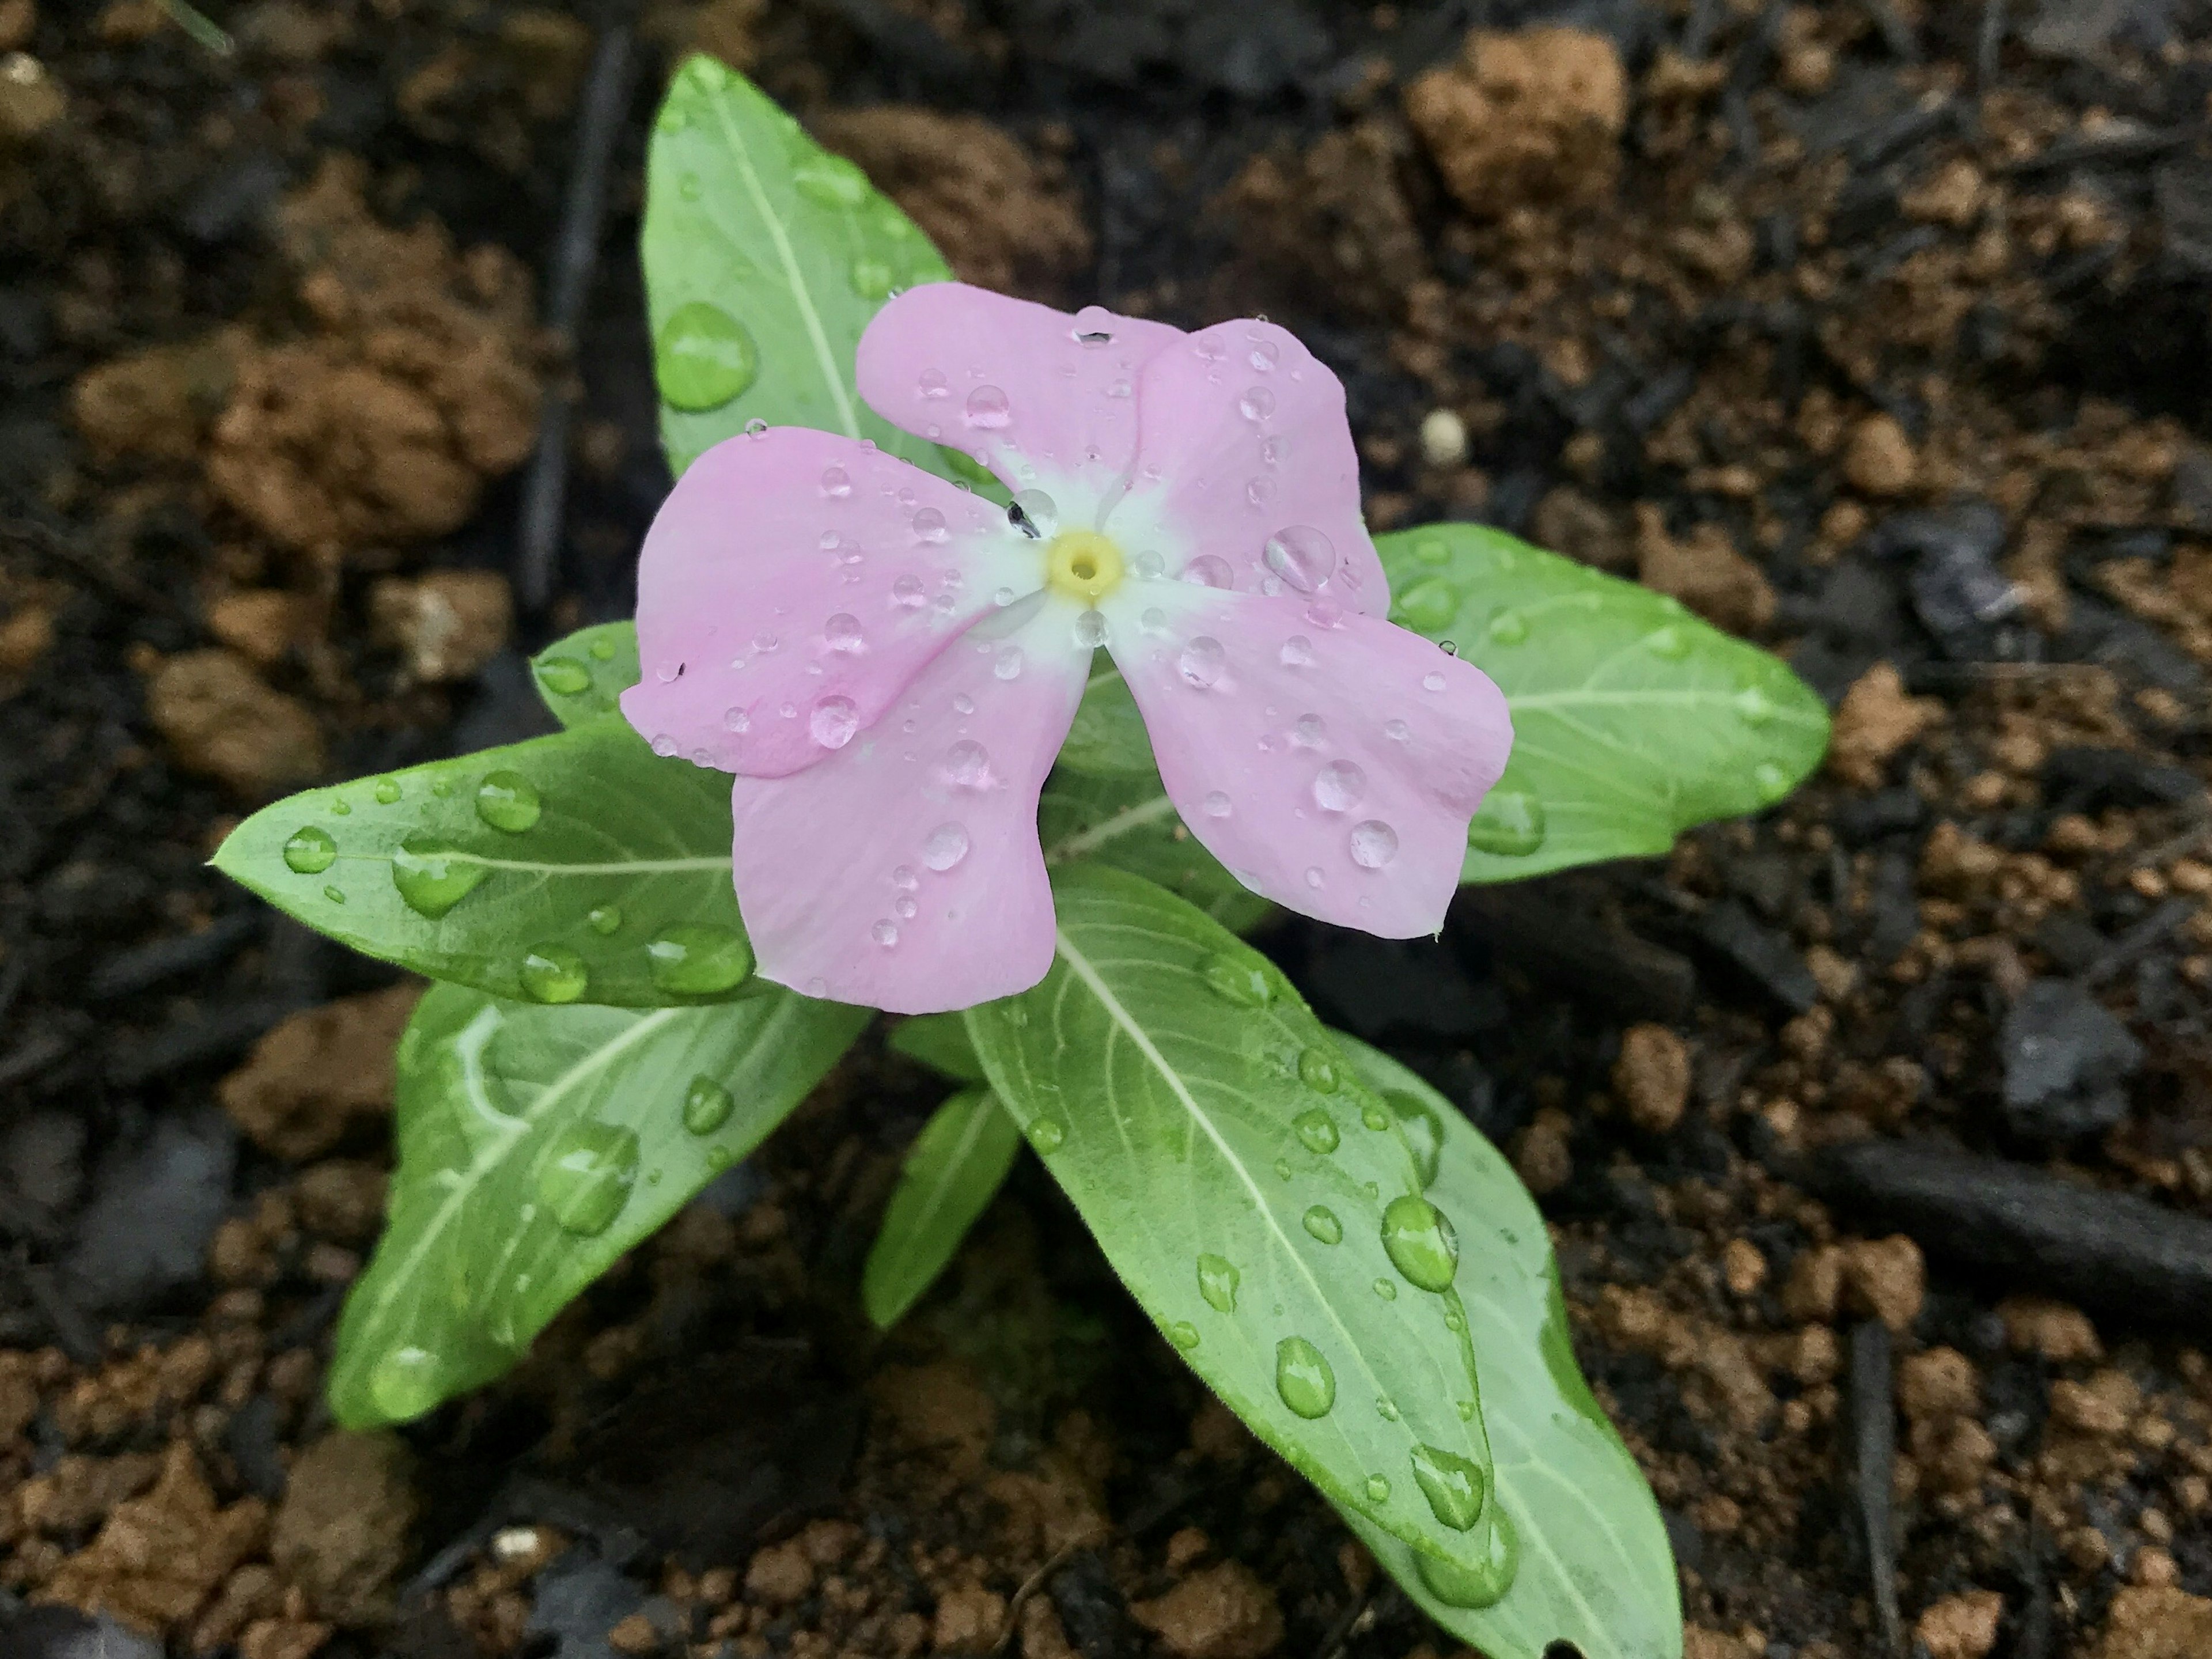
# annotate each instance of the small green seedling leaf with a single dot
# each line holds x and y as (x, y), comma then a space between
(765, 256)
(577, 867)
(581, 677)
(957, 1162)
(1632, 719)
(536, 1146)
(1263, 1205)
(940, 1043)
(1594, 1568)
(1129, 823)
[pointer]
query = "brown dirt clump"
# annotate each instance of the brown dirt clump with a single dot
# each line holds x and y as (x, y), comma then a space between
(448, 624)
(341, 1531)
(1523, 119)
(2156, 1622)
(223, 721)
(159, 1556)
(1704, 571)
(1876, 720)
(1223, 1611)
(1003, 219)
(1334, 220)
(1652, 1077)
(1960, 1627)
(420, 385)
(309, 1081)
(159, 402)
(1878, 457)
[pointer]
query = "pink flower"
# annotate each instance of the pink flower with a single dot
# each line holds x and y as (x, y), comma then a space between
(890, 663)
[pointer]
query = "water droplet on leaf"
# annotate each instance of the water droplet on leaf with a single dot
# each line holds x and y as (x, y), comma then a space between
(706, 1106)
(553, 973)
(508, 801)
(1509, 824)
(1302, 1378)
(432, 878)
(1218, 1279)
(1236, 981)
(1317, 1129)
(1420, 1241)
(1320, 1221)
(604, 919)
(310, 851)
(704, 357)
(693, 959)
(564, 676)
(587, 1176)
(1453, 1484)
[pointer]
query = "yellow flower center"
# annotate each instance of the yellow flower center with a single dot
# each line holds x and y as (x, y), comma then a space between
(1083, 564)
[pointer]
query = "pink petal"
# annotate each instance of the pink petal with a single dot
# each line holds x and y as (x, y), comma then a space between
(1332, 769)
(1242, 439)
(791, 587)
(904, 872)
(1013, 383)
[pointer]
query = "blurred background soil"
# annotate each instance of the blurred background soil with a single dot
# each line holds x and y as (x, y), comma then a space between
(1875, 1134)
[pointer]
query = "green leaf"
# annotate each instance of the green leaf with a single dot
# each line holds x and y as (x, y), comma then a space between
(536, 1146)
(1108, 739)
(1131, 824)
(1595, 1569)
(957, 1163)
(581, 677)
(765, 256)
(940, 1043)
(1241, 1180)
(1632, 719)
(577, 867)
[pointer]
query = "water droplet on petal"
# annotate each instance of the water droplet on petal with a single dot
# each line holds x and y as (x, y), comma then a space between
(944, 847)
(1203, 661)
(1339, 786)
(1007, 664)
(757, 428)
(706, 1106)
(1298, 652)
(836, 483)
(1302, 1378)
(1265, 355)
(506, 800)
(885, 933)
(1397, 731)
(1311, 733)
(1218, 1279)
(834, 721)
(929, 526)
(841, 633)
(1314, 879)
(1090, 629)
(587, 1175)
(1432, 682)
(966, 765)
(1302, 555)
(986, 408)
(1209, 570)
(906, 593)
(1374, 844)
(1216, 805)
(310, 851)
(1037, 510)
(1256, 404)
(933, 384)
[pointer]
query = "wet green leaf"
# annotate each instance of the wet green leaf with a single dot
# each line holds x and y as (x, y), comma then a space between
(536, 1146)
(957, 1163)
(1130, 823)
(940, 1043)
(1108, 740)
(1632, 719)
(765, 256)
(580, 678)
(1595, 1569)
(577, 867)
(1262, 1204)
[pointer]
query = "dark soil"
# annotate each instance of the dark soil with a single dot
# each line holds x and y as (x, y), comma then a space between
(1876, 1133)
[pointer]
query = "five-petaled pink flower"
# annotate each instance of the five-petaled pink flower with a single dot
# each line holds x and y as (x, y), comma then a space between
(889, 662)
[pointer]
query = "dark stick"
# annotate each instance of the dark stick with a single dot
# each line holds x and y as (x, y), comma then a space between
(575, 258)
(1988, 43)
(1874, 1467)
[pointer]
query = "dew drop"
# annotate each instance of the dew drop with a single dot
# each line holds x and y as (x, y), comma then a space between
(1256, 404)
(1036, 512)
(929, 526)
(872, 279)
(1432, 682)
(1007, 665)
(1753, 707)
(1453, 1484)
(1317, 1129)
(1216, 805)
(1374, 844)
(906, 593)
(1378, 1489)
(1183, 1335)
(335, 894)
(1310, 731)
(553, 973)
(704, 357)
(563, 676)
(841, 633)
(1090, 629)
(986, 408)
(966, 765)
(706, 1106)
(1266, 353)
(1397, 731)
(1047, 1134)
(1508, 627)
(831, 181)
(695, 959)
(387, 791)
(1298, 652)
(885, 933)
(1218, 1279)
(1423, 1129)
(587, 1176)
(944, 847)
(1320, 1221)
(737, 720)
(1203, 661)
(1670, 643)
(1374, 1116)
(963, 704)
(1209, 570)
(834, 721)
(933, 384)
(1386, 1408)
(836, 483)
(405, 1382)
(1432, 550)
(1387, 1289)
(432, 878)
(1509, 824)
(604, 919)
(1237, 981)
(1461, 1584)
(1318, 1073)
(1770, 780)
(904, 878)
(904, 908)
(1302, 555)
(310, 851)
(506, 800)
(1420, 1241)
(1428, 606)
(757, 428)
(1339, 786)
(1315, 878)
(1302, 1378)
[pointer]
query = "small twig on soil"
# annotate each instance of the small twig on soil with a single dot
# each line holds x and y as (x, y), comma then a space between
(2139, 939)
(53, 545)
(201, 27)
(1988, 43)
(1873, 1455)
(575, 258)
(1030, 1586)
